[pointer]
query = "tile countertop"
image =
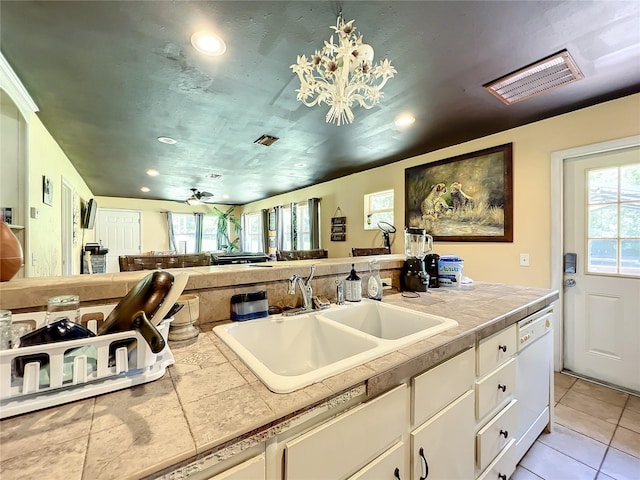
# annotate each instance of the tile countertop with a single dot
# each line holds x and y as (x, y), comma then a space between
(209, 400)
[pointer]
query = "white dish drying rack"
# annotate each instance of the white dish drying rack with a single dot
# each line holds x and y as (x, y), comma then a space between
(101, 366)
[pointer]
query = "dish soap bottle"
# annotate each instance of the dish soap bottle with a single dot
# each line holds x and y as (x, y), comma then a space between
(375, 282)
(353, 286)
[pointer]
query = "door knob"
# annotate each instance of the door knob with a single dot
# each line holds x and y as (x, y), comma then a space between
(569, 282)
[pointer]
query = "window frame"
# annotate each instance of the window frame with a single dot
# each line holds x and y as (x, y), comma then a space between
(369, 212)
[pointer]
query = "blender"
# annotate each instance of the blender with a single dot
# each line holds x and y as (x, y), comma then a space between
(417, 244)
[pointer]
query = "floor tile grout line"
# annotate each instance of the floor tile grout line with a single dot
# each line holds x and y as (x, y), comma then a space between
(575, 459)
(532, 472)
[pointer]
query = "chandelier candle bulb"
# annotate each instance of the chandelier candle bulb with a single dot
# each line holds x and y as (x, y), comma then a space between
(342, 75)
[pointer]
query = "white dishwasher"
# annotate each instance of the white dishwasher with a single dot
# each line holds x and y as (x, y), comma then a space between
(534, 375)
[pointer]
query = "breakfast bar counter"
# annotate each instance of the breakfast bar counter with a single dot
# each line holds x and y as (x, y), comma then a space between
(210, 405)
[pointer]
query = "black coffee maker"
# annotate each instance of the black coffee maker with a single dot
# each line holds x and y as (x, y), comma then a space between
(417, 243)
(431, 265)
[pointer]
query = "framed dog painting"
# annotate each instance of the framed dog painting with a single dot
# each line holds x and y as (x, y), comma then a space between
(468, 198)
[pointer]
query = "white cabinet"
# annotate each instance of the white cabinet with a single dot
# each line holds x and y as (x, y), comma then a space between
(252, 469)
(346, 444)
(496, 350)
(496, 410)
(443, 412)
(496, 434)
(495, 389)
(444, 444)
(388, 466)
(436, 388)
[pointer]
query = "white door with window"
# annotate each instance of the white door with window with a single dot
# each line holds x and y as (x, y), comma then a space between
(119, 231)
(602, 298)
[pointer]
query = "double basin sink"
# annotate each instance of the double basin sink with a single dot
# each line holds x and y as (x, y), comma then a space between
(291, 352)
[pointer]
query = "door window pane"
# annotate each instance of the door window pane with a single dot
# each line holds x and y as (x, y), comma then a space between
(630, 257)
(630, 220)
(603, 185)
(630, 183)
(603, 256)
(614, 220)
(603, 221)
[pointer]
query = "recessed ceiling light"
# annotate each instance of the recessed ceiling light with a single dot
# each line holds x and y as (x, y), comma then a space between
(152, 172)
(145, 189)
(208, 43)
(300, 165)
(225, 196)
(405, 120)
(167, 140)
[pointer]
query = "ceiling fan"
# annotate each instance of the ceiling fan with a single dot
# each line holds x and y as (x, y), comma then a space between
(197, 197)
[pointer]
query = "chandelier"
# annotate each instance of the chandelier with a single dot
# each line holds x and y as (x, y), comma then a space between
(342, 75)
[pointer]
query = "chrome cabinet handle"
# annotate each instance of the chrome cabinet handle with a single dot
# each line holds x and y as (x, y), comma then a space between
(396, 474)
(426, 465)
(503, 348)
(502, 387)
(504, 433)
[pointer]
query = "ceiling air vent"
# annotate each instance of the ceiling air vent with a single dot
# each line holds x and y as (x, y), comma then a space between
(266, 140)
(539, 77)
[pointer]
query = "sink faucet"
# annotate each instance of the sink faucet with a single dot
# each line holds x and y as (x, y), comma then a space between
(305, 288)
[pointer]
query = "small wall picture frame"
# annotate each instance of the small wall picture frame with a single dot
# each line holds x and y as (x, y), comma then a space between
(338, 227)
(47, 191)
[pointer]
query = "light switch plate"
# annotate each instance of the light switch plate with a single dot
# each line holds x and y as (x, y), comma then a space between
(524, 259)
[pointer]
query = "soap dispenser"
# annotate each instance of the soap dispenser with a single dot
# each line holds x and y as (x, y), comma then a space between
(375, 282)
(353, 286)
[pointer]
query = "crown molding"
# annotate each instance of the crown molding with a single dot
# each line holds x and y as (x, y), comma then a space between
(12, 85)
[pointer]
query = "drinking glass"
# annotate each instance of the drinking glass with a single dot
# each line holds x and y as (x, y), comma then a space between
(63, 306)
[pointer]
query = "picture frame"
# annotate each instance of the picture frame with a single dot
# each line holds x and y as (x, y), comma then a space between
(47, 191)
(467, 198)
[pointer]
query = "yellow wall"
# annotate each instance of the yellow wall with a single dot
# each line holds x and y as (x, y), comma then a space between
(154, 221)
(47, 158)
(532, 148)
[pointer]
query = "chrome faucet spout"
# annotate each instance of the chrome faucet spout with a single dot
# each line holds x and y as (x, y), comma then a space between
(305, 288)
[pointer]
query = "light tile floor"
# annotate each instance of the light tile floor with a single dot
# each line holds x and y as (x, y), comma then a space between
(596, 436)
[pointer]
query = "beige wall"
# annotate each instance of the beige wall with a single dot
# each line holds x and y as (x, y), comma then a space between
(154, 221)
(47, 158)
(532, 148)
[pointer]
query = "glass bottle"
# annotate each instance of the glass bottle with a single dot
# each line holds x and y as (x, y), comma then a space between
(353, 286)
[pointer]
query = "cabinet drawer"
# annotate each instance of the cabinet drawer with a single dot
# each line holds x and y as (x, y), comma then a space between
(496, 349)
(496, 434)
(495, 388)
(345, 444)
(253, 468)
(384, 467)
(503, 466)
(436, 388)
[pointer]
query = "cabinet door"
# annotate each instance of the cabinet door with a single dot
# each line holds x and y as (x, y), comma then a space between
(345, 444)
(252, 469)
(445, 444)
(388, 466)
